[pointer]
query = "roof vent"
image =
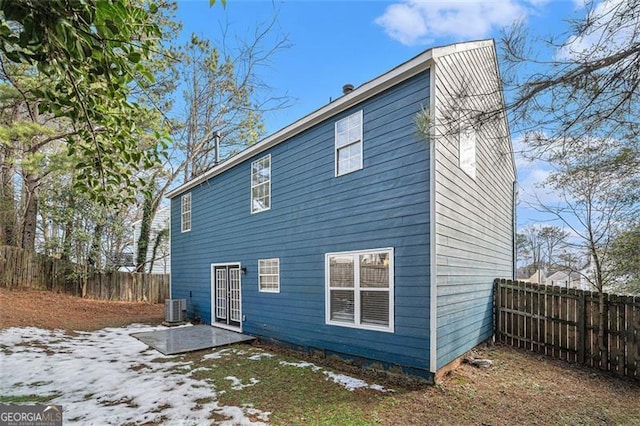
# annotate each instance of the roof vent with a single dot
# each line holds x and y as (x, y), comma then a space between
(347, 88)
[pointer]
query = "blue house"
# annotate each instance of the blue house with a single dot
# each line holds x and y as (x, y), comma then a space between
(372, 228)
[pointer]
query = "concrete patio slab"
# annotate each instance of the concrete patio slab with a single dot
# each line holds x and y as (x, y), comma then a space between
(191, 338)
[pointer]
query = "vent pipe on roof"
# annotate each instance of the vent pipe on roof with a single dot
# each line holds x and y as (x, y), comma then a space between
(216, 137)
(347, 88)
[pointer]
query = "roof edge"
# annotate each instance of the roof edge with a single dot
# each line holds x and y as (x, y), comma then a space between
(396, 75)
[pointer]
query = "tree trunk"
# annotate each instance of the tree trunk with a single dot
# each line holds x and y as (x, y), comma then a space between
(68, 229)
(602, 308)
(145, 233)
(95, 258)
(7, 204)
(30, 216)
(159, 238)
(602, 331)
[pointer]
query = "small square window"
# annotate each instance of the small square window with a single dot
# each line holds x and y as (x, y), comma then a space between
(348, 144)
(185, 215)
(269, 275)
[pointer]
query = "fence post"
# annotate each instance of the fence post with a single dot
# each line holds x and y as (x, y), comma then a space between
(582, 335)
(496, 310)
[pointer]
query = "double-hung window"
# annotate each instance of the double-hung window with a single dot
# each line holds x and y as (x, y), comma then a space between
(468, 150)
(185, 211)
(269, 275)
(359, 289)
(348, 144)
(261, 184)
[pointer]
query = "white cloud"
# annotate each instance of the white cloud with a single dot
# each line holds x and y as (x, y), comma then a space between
(612, 27)
(419, 22)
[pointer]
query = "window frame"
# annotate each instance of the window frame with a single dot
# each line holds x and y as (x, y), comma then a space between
(467, 150)
(348, 143)
(254, 211)
(357, 289)
(277, 275)
(184, 200)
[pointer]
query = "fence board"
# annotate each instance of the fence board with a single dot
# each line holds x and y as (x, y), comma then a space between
(24, 269)
(564, 324)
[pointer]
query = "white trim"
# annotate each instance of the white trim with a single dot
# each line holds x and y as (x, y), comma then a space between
(433, 269)
(182, 212)
(251, 184)
(391, 327)
(269, 290)
(359, 141)
(227, 327)
(213, 294)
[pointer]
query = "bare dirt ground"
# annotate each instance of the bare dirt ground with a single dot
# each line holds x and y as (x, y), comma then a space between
(44, 309)
(520, 388)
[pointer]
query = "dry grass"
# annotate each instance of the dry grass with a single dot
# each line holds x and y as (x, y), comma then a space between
(519, 389)
(524, 389)
(44, 309)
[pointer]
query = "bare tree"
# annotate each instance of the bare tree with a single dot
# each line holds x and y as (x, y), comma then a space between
(597, 195)
(574, 98)
(582, 84)
(540, 247)
(224, 99)
(553, 238)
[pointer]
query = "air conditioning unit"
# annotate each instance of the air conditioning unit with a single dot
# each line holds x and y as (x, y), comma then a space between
(174, 310)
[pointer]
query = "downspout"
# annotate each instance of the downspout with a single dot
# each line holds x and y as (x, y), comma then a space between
(433, 299)
(514, 230)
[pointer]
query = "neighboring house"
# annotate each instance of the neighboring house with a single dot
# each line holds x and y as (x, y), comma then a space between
(352, 232)
(572, 279)
(538, 277)
(158, 259)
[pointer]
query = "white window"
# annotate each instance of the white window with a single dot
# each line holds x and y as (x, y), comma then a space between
(359, 289)
(261, 184)
(349, 144)
(468, 150)
(186, 212)
(269, 275)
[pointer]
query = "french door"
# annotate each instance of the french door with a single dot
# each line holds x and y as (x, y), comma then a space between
(226, 308)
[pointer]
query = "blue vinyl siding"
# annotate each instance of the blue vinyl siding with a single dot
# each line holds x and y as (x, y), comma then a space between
(386, 204)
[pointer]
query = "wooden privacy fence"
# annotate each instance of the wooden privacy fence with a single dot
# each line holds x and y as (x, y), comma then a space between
(25, 269)
(564, 324)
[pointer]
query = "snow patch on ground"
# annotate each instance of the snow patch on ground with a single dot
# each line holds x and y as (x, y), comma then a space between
(350, 383)
(259, 356)
(236, 384)
(301, 364)
(218, 354)
(109, 377)
(235, 415)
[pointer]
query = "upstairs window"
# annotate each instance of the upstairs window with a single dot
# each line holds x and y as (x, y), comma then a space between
(269, 275)
(359, 289)
(468, 150)
(261, 184)
(186, 212)
(349, 144)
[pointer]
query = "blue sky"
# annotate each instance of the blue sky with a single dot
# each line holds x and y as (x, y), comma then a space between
(336, 42)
